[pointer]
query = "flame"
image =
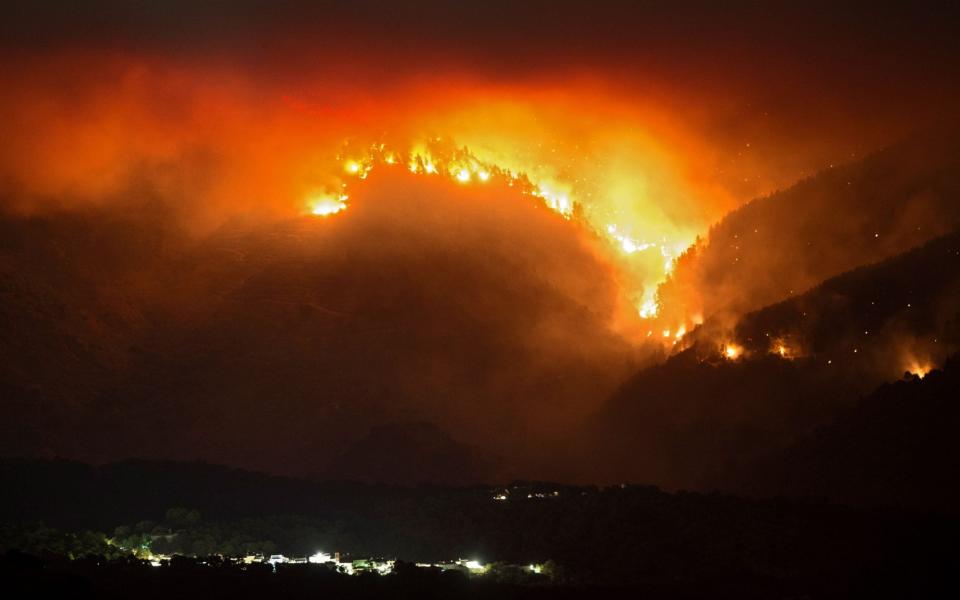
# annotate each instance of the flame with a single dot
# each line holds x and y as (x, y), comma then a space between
(594, 156)
(464, 167)
(781, 348)
(648, 305)
(731, 351)
(627, 244)
(324, 206)
(667, 260)
(919, 369)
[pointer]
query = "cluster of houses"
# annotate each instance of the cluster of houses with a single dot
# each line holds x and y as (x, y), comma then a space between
(349, 567)
(378, 566)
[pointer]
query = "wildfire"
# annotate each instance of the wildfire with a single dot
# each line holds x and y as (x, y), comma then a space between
(667, 259)
(780, 347)
(919, 369)
(632, 173)
(628, 245)
(325, 206)
(441, 158)
(731, 351)
(648, 309)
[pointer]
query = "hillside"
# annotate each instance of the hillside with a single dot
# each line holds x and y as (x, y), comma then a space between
(76, 304)
(846, 216)
(404, 453)
(878, 321)
(896, 447)
(700, 416)
(280, 344)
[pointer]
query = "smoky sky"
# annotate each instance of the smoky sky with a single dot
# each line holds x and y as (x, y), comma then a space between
(876, 39)
(824, 80)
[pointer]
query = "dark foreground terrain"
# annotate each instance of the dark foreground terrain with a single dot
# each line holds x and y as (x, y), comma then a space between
(74, 529)
(88, 578)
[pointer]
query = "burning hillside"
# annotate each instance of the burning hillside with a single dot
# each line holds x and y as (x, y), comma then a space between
(736, 395)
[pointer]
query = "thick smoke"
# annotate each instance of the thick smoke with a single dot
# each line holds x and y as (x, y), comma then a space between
(277, 344)
(778, 247)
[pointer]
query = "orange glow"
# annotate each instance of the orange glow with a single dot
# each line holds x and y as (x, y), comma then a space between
(732, 351)
(631, 179)
(648, 306)
(781, 348)
(461, 165)
(324, 206)
(919, 369)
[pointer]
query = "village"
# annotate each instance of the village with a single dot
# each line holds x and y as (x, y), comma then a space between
(345, 565)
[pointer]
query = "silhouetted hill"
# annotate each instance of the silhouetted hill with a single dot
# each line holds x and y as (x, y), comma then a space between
(74, 495)
(74, 309)
(405, 453)
(684, 423)
(70, 494)
(279, 344)
(846, 216)
(700, 416)
(896, 447)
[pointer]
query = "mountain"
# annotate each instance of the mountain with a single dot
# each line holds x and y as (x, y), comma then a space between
(896, 447)
(701, 415)
(405, 453)
(278, 344)
(876, 321)
(289, 345)
(75, 306)
(848, 215)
